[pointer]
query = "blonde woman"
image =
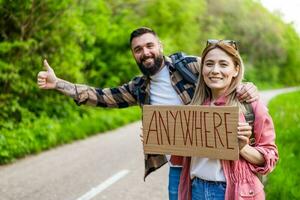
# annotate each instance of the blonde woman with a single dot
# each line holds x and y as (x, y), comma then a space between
(221, 72)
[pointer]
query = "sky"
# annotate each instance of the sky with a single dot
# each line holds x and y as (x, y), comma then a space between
(290, 10)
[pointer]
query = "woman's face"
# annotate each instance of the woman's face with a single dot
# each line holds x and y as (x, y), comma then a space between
(218, 71)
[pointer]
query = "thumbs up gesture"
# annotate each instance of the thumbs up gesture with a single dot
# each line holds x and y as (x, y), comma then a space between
(47, 79)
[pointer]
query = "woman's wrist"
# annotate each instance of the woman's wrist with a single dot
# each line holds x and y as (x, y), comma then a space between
(244, 149)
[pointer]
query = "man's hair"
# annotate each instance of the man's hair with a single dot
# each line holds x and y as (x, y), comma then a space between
(141, 31)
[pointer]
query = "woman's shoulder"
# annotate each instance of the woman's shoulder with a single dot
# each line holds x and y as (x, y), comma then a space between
(259, 106)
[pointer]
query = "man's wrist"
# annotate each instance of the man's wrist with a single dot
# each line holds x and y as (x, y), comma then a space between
(59, 84)
(55, 84)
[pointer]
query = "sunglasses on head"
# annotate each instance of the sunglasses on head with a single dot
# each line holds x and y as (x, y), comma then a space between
(229, 42)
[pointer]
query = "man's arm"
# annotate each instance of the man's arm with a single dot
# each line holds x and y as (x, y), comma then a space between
(82, 94)
(66, 88)
(110, 97)
(48, 80)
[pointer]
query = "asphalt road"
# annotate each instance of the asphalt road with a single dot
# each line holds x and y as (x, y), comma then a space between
(107, 166)
(71, 171)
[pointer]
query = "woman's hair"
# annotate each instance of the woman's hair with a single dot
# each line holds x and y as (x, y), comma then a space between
(203, 92)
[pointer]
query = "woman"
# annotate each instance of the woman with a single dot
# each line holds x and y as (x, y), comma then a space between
(222, 71)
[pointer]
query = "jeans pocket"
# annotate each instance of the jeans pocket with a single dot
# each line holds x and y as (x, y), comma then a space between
(194, 182)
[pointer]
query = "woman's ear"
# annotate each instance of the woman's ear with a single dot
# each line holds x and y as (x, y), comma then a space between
(237, 69)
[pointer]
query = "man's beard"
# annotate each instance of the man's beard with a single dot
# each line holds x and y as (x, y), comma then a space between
(152, 69)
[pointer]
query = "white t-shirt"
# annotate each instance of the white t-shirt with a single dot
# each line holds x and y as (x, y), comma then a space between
(162, 92)
(207, 169)
(161, 89)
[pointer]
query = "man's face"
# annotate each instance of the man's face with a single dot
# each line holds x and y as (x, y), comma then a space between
(147, 52)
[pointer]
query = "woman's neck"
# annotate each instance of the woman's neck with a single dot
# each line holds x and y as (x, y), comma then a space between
(217, 94)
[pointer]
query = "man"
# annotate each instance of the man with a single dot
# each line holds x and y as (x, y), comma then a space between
(160, 84)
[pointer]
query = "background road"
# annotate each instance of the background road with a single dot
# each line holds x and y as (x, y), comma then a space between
(106, 166)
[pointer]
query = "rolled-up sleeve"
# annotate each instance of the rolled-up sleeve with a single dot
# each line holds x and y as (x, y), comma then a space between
(118, 97)
(264, 139)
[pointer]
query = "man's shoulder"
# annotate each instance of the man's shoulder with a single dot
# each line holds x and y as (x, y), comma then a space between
(138, 80)
(187, 65)
(191, 58)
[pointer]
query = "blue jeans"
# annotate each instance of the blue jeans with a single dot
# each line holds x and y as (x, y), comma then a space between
(174, 177)
(208, 190)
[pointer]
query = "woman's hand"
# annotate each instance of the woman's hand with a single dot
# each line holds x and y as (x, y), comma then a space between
(244, 133)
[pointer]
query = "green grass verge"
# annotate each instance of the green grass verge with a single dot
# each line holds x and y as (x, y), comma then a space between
(282, 182)
(45, 132)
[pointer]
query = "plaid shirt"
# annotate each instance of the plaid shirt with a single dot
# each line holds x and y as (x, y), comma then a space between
(137, 92)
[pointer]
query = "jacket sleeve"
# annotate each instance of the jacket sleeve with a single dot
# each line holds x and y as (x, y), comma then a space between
(118, 97)
(264, 138)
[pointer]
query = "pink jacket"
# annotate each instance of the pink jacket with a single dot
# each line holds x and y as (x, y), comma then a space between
(241, 179)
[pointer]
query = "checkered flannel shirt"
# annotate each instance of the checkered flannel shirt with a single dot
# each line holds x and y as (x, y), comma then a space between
(136, 92)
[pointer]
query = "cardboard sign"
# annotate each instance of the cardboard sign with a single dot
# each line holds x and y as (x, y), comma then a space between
(201, 131)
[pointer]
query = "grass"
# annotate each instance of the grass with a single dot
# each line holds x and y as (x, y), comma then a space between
(282, 182)
(45, 132)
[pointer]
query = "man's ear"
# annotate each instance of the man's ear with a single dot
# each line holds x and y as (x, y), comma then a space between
(161, 46)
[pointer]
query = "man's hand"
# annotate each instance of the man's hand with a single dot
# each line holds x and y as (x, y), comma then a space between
(247, 92)
(244, 133)
(47, 79)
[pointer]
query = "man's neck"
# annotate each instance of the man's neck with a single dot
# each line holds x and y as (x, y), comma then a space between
(161, 67)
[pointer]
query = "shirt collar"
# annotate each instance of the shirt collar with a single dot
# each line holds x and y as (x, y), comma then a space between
(218, 102)
(168, 62)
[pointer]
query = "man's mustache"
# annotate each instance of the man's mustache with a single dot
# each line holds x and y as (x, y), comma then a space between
(146, 57)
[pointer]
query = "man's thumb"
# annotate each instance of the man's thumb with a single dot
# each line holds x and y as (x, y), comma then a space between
(47, 66)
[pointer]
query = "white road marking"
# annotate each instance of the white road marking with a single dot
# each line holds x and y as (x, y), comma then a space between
(96, 190)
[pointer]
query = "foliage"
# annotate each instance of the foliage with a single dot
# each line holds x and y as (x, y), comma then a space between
(45, 132)
(286, 116)
(267, 44)
(87, 42)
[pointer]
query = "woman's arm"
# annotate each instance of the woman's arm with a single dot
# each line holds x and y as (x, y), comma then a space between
(264, 139)
(246, 151)
(252, 155)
